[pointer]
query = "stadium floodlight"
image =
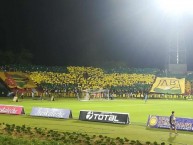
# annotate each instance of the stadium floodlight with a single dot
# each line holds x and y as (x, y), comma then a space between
(177, 7)
(177, 11)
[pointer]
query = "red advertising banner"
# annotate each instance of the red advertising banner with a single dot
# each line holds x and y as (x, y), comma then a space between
(11, 109)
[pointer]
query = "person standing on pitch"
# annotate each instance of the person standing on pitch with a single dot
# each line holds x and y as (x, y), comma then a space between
(173, 122)
(145, 97)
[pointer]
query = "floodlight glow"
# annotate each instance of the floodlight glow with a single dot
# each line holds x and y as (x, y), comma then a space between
(177, 6)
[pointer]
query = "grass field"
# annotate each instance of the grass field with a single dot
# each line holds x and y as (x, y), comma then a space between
(138, 111)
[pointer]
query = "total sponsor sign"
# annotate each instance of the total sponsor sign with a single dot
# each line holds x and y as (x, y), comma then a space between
(108, 117)
(155, 121)
(51, 112)
(11, 109)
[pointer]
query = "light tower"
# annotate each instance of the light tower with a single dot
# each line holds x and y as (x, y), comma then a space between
(175, 11)
(177, 50)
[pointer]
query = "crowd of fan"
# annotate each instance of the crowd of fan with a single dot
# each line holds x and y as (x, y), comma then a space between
(31, 68)
(66, 81)
(82, 78)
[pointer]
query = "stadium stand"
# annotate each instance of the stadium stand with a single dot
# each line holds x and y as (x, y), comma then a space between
(65, 81)
(4, 89)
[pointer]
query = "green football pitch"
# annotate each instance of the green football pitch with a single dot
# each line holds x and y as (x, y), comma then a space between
(137, 109)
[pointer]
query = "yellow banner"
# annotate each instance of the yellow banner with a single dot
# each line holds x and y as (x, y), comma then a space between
(168, 85)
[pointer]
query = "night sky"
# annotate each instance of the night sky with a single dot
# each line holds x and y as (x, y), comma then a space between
(92, 32)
